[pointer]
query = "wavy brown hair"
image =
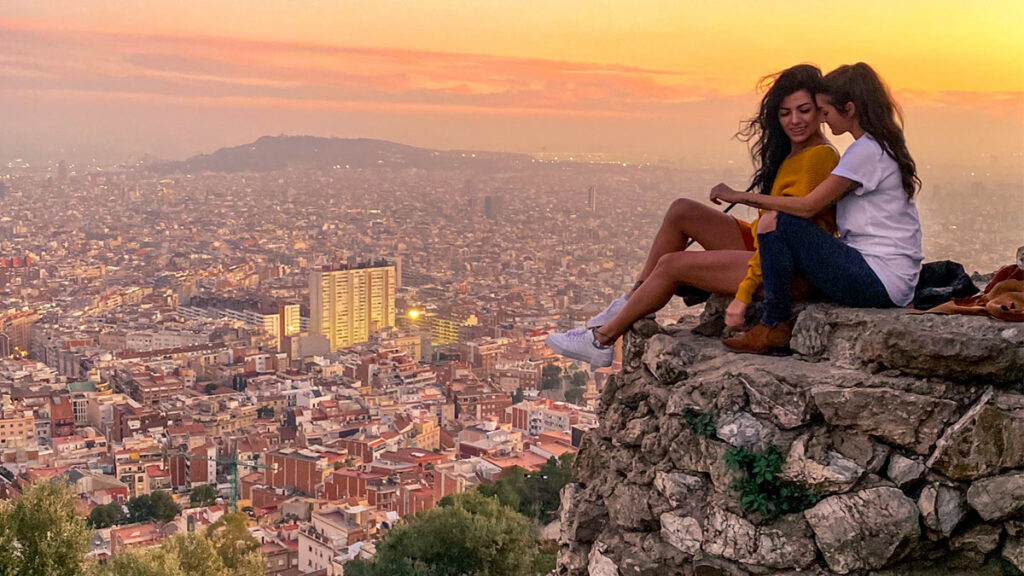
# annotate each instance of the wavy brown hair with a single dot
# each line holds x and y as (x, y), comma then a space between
(768, 143)
(877, 113)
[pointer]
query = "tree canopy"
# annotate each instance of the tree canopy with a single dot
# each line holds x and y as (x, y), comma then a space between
(157, 506)
(232, 540)
(579, 379)
(203, 495)
(551, 377)
(533, 494)
(191, 554)
(106, 515)
(466, 534)
(574, 395)
(41, 533)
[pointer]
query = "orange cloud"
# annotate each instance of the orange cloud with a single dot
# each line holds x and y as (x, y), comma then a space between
(288, 74)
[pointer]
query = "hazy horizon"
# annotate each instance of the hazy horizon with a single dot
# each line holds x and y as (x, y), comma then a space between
(112, 81)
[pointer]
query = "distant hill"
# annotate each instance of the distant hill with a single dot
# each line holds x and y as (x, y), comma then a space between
(271, 153)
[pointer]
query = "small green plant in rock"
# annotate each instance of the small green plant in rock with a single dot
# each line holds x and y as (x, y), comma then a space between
(760, 490)
(702, 424)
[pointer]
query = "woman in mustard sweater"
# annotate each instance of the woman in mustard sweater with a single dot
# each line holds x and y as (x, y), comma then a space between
(791, 156)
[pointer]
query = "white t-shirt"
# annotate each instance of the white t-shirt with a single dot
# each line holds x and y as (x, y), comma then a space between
(878, 220)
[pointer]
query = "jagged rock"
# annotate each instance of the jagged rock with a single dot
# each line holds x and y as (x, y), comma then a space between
(635, 431)
(783, 544)
(689, 397)
(742, 429)
(667, 358)
(693, 453)
(957, 348)
(712, 390)
(642, 554)
(601, 565)
(909, 420)
(633, 391)
(811, 332)
(837, 474)
(1014, 527)
(998, 497)
(1013, 551)
(572, 561)
(569, 496)
(657, 399)
(683, 491)
(581, 518)
(664, 558)
(982, 539)
(864, 530)
(629, 508)
(682, 532)
(867, 453)
(592, 463)
(904, 471)
(988, 439)
(654, 447)
(634, 342)
(788, 406)
(712, 318)
(942, 507)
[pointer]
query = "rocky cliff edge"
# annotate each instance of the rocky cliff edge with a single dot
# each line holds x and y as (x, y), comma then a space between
(898, 445)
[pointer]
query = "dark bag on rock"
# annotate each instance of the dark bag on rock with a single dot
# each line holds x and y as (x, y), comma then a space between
(941, 282)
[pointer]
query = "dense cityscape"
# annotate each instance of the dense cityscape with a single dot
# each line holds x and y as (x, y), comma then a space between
(332, 348)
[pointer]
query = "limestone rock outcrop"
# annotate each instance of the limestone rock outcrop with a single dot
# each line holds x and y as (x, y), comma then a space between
(902, 438)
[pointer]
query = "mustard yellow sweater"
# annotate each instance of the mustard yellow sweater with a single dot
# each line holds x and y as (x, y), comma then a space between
(798, 175)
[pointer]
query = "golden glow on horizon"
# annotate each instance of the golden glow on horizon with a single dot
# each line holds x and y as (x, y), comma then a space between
(589, 75)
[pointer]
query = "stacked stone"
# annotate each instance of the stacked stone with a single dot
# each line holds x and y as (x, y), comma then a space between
(910, 429)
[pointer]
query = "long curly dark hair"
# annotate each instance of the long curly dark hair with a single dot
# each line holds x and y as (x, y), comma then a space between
(768, 143)
(877, 112)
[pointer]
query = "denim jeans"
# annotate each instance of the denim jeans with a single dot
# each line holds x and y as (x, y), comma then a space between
(834, 268)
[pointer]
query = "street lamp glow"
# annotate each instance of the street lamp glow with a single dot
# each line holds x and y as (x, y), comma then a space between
(414, 314)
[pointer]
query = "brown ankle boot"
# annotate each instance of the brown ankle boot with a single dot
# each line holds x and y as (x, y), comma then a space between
(761, 339)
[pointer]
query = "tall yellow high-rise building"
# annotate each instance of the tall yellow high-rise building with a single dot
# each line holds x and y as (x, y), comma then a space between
(347, 303)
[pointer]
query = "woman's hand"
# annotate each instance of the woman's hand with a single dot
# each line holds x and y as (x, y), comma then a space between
(735, 314)
(723, 193)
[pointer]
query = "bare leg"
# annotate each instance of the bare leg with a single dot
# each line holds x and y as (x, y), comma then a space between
(685, 219)
(719, 271)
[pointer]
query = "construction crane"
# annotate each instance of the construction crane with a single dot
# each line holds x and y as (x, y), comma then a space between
(232, 464)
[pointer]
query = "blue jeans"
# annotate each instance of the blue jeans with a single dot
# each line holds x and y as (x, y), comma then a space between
(834, 268)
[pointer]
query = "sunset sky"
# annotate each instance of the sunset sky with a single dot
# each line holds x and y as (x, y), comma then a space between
(82, 79)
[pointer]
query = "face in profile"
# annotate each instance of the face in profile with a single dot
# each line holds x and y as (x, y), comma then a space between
(837, 122)
(799, 116)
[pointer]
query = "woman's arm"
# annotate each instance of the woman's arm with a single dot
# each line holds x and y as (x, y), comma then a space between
(824, 195)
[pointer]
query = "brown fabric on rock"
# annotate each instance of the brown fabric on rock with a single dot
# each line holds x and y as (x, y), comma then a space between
(1003, 298)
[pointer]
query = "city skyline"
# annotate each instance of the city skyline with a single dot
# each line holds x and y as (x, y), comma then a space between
(109, 81)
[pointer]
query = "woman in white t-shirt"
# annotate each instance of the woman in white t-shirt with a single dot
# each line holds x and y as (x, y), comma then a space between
(876, 260)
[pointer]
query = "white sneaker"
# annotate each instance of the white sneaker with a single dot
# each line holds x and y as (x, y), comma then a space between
(580, 345)
(605, 316)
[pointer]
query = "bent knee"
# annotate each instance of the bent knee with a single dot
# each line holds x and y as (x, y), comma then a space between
(681, 208)
(669, 264)
(767, 222)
